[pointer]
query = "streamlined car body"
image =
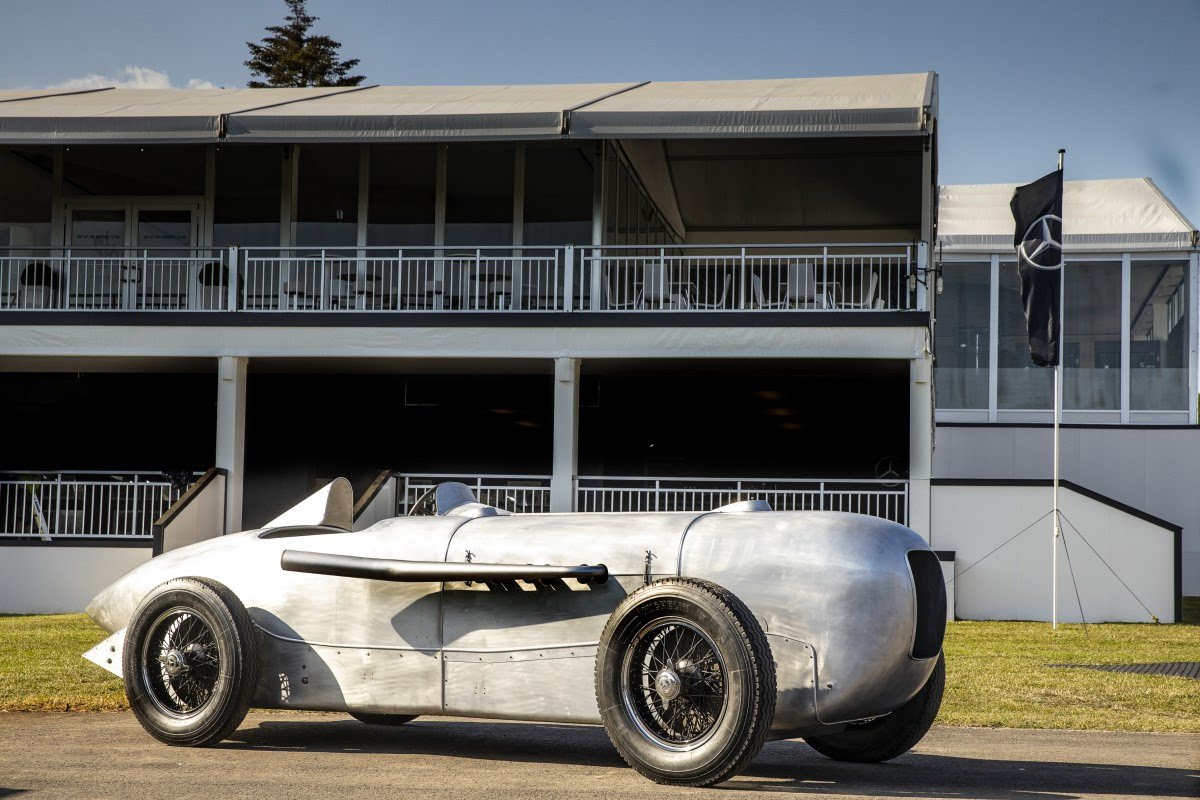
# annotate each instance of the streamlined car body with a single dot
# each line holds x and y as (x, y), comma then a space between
(692, 637)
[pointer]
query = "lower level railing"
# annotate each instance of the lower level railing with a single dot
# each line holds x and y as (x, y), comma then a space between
(531, 493)
(521, 494)
(84, 505)
(878, 498)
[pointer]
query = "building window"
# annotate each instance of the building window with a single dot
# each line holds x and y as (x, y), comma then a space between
(558, 195)
(961, 343)
(1092, 336)
(1158, 346)
(327, 196)
(1020, 384)
(403, 190)
(25, 180)
(479, 194)
(246, 201)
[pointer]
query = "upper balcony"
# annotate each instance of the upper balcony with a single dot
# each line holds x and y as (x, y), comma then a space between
(867, 278)
(230, 208)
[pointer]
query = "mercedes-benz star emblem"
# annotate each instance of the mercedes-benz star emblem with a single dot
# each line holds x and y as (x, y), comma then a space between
(1046, 252)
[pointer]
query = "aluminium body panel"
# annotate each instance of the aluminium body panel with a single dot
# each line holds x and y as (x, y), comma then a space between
(832, 591)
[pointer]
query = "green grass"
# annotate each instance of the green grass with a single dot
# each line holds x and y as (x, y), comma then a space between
(41, 668)
(997, 673)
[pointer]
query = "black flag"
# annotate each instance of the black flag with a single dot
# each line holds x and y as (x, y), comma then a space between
(1037, 211)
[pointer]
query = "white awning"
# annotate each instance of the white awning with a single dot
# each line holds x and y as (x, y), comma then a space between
(886, 104)
(865, 105)
(406, 113)
(1121, 214)
(133, 115)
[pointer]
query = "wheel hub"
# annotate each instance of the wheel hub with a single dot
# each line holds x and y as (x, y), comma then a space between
(667, 684)
(174, 662)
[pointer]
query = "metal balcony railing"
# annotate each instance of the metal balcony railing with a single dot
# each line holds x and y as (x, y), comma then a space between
(745, 278)
(122, 279)
(83, 504)
(681, 278)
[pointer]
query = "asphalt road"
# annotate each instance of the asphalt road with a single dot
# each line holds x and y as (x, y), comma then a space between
(315, 756)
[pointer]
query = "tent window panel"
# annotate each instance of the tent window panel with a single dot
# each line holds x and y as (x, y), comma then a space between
(327, 196)
(246, 198)
(1020, 384)
(25, 189)
(403, 187)
(1092, 336)
(479, 194)
(123, 170)
(612, 166)
(963, 331)
(558, 195)
(1158, 325)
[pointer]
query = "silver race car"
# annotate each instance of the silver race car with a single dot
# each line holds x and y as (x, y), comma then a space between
(691, 637)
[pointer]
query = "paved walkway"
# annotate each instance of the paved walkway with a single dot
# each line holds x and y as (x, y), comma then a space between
(314, 756)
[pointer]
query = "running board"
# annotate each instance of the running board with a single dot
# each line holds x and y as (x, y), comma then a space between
(387, 569)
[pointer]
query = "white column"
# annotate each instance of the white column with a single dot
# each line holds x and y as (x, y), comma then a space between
(1193, 334)
(920, 442)
(517, 272)
(994, 340)
(289, 180)
(58, 225)
(566, 434)
(600, 191)
(231, 434)
(1125, 323)
(210, 198)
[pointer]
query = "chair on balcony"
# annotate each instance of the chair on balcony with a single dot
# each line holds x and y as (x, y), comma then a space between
(799, 290)
(619, 298)
(38, 286)
(722, 299)
(213, 286)
(417, 289)
(301, 290)
(162, 284)
(490, 287)
(661, 289)
(864, 295)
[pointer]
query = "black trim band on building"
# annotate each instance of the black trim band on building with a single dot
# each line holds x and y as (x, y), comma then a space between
(1175, 530)
(476, 319)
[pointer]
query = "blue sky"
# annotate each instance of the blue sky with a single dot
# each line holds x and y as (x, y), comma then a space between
(1116, 83)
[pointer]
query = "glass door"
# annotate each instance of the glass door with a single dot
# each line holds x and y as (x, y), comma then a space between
(165, 269)
(132, 253)
(95, 269)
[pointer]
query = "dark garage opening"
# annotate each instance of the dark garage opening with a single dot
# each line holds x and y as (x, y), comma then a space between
(304, 429)
(108, 421)
(781, 419)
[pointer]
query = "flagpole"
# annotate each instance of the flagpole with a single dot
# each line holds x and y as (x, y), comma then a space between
(1057, 417)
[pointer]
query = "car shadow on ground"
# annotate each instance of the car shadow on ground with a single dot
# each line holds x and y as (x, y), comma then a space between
(785, 766)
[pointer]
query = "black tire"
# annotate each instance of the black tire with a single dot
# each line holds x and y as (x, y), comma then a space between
(383, 719)
(894, 734)
(721, 703)
(190, 662)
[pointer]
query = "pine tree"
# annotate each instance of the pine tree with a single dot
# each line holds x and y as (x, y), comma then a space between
(290, 56)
